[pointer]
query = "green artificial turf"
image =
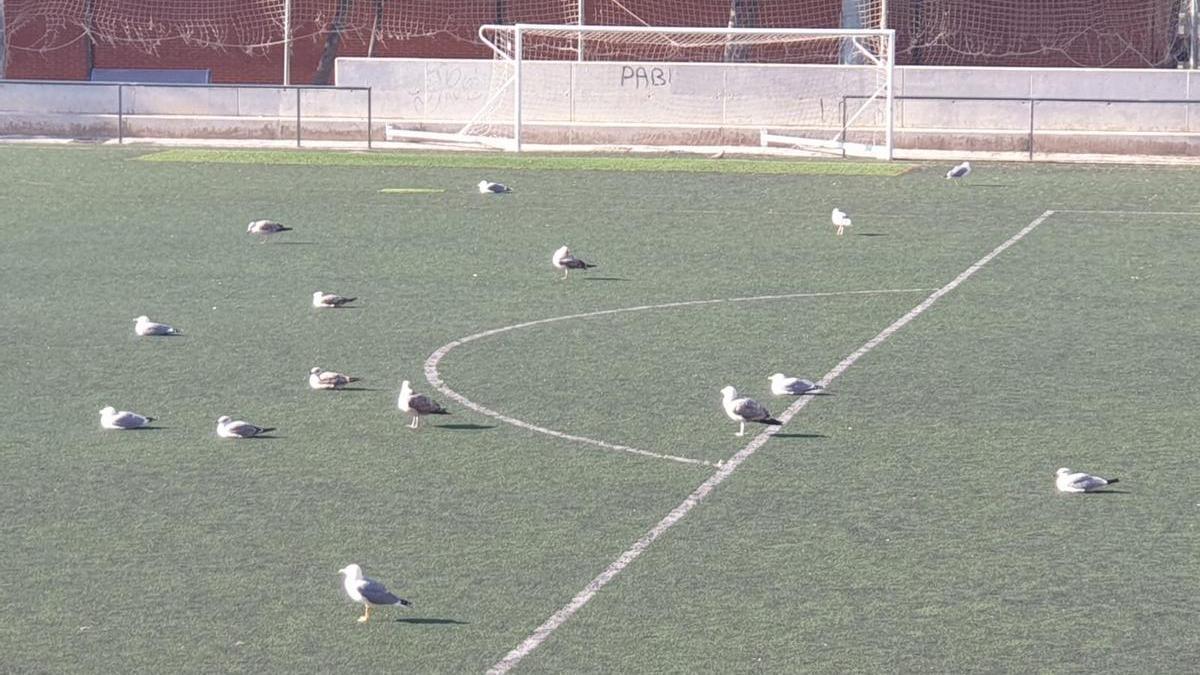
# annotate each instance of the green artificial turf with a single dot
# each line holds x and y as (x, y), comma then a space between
(904, 522)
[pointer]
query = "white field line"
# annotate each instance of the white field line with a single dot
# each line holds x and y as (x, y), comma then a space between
(435, 378)
(560, 617)
(1131, 213)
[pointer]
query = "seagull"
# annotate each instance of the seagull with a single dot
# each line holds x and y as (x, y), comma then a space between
(330, 299)
(563, 260)
(367, 591)
(744, 410)
(417, 405)
(840, 219)
(111, 418)
(145, 326)
(961, 171)
(327, 379)
(230, 428)
(487, 187)
(782, 385)
(1077, 481)
(265, 228)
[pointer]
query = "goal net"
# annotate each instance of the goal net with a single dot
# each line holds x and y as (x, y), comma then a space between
(1085, 33)
(827, 91)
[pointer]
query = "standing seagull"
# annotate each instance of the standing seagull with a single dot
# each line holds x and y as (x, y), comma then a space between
(489, 188)
(144, 326)
(742, 410)
(841, 220)
(327, 379)
(367, 592)
(1077, 481)
(111, 418)
(563, 260)
(265, 228)
(321, 299)
(961, 171)
(417, 405)
(227, 427)
(782, 385)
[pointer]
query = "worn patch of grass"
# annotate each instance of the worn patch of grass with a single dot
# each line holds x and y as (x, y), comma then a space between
(803, 167)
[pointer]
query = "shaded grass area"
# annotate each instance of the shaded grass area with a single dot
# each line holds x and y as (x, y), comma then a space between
(528, 162)
(904, 522)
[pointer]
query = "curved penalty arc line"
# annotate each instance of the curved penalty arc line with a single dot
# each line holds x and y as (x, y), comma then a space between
(435, 378)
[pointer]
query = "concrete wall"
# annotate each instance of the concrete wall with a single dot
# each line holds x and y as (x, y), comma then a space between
(636, 103)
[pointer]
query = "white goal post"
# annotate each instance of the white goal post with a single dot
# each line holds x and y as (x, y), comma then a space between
(827, 91)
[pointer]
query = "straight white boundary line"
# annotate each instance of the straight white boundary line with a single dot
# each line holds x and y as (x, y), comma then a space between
(560, 617)
(435, 378)
(1131, 213)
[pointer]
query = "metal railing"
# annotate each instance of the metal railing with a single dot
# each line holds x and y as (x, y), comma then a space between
(122, 86)
(1032, 101)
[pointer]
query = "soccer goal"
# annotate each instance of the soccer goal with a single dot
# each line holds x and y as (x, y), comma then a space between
(820, 90)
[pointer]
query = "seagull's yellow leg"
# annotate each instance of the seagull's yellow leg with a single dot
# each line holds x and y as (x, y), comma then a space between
(366, 614)
(741, 429)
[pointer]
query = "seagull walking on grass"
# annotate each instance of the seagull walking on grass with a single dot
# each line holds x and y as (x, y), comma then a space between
(327, 379)
(742, 410)
(782, 385)
(487, 187)
(417, 405)
(144, 326)
(1077, 481)
(111, 418)
(959, 172)
(563, 260)
(367, 592)
(840, 220)
(265, 228)
(227, 427)
(321, 299)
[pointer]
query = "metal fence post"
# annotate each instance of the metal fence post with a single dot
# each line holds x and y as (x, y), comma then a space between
(1031, 104)
(842, 105)
(368, 118)
(297, 117)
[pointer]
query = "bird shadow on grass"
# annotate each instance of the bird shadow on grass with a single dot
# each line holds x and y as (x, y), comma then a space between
(294, 243)
(605, 279)
(801, 436)
(361, 389)
(1110, 492)
(986, 185)
(152, 427)
(870, 234)
(423, 620)
(466, 427)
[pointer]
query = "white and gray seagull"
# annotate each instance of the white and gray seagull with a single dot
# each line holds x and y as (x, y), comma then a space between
(840, 220)
(368, 592)
(144, 326)
(327, 379)
(1077, 481)
(782, 385)
(958, 172)
(265, 228)
(417, 405)
(323, 300)
(563, 260)
(227, 427)
(742, 410)
(111, 418)
(487, 187)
